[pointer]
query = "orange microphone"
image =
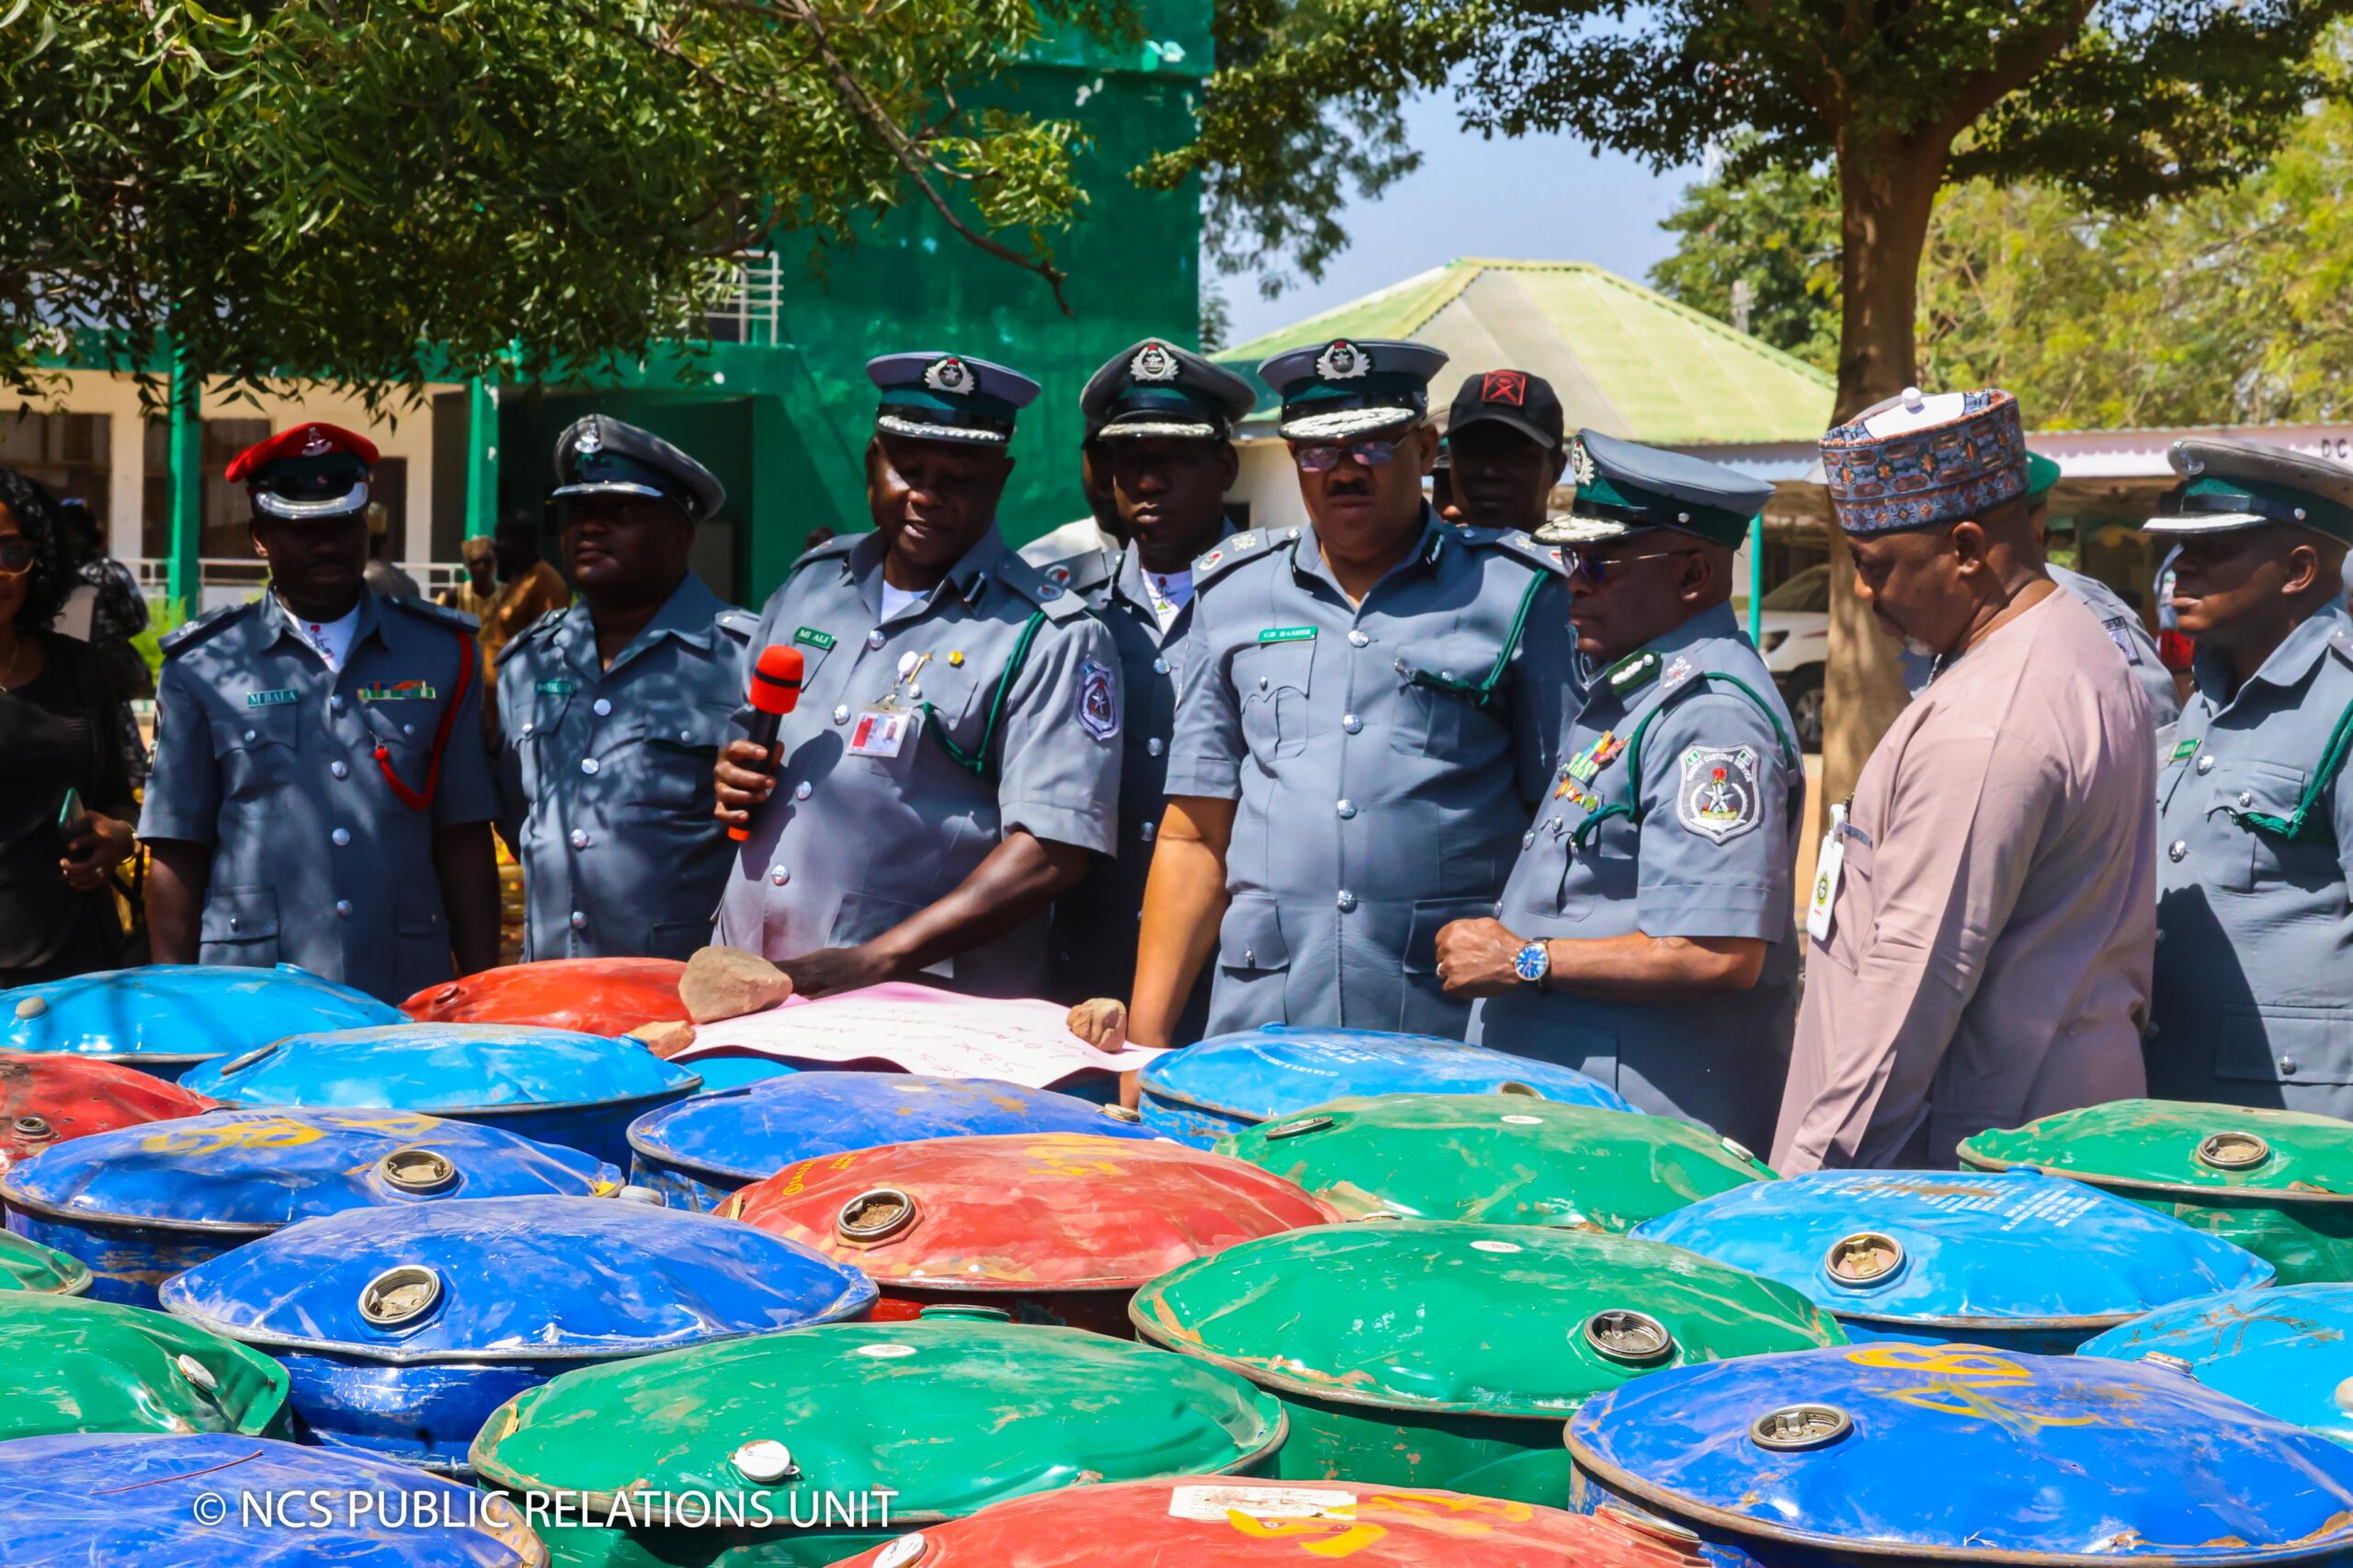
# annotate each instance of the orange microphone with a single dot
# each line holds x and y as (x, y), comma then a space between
(776, 689)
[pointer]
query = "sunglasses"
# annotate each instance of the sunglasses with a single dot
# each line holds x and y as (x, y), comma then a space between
(16, 556)
(1596, 569)
(1323, 459)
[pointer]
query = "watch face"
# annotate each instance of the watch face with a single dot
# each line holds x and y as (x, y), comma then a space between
(1530, 961)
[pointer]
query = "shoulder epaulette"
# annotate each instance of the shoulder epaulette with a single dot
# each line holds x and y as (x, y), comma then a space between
(1060, 604)
(2340, 641)
(181, 638)
(1250, 544)
(1516, 542)
(833, 549)
(538, 630)
(740, 624)
(1083, 573)
(426, 609)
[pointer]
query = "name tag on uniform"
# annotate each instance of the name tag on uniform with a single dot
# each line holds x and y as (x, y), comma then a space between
(1828, 863)
(556, 687)
(820, 641)
(1287, 634)
(268, 698)
(877, 734)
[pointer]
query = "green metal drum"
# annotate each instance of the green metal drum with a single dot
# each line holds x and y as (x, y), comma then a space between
(26, 1265)
(69, 1364)
(806, 1447)
(1496, 1159)
(2279, 1183)
(1425, 1353)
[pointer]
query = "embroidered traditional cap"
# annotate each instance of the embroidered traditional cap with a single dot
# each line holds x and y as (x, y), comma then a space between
(1623, 485)
(1154, 388)
(1526, 403)
(602, 455)
(949, 397)
(1918, 460)
(312, 471)
(1349, 386)
(2229, 483)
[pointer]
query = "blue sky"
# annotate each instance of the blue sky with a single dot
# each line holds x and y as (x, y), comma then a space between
(1547, 198)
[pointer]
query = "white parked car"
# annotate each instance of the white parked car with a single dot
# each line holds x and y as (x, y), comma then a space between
(1795, 629)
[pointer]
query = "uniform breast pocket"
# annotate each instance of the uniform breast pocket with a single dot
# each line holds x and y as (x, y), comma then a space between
(256, 749)
(1602, 873)
(677, 746)
(1433, 720)
(2228, 852)
(1273, 680)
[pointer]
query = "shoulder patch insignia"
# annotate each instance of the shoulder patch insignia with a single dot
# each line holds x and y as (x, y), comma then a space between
(1678, 674)
(1718, 798)
(1099, 708)
(1058, 574)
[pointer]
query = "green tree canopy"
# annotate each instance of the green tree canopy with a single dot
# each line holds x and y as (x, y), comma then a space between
(399, 190)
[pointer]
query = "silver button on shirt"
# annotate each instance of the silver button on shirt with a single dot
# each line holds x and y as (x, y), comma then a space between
(340, 837)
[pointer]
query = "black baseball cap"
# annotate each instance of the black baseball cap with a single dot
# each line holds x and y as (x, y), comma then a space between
(1525, 402)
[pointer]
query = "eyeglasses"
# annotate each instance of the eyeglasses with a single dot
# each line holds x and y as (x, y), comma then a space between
(1323, 459)
(1597, 568)
(16, 556)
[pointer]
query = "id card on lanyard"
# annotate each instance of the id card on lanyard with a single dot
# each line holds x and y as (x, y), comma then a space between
(1829, 862)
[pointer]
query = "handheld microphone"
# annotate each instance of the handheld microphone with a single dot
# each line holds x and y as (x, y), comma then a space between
(776, 689)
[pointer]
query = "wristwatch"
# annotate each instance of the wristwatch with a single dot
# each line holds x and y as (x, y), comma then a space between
(1533, 963)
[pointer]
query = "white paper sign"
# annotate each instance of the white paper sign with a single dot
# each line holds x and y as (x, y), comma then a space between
(920, 1030)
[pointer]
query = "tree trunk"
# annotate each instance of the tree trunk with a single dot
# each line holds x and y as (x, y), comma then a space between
(1887, 195)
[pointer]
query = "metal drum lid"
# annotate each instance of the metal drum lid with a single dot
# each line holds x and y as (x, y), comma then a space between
(449, 1069)
(744, 1134)
(1500, 1320)
(1207, 1521)
(1501, 1159)
(259, 1169)
(46, 1099)
(994, 1411)
(512, 1279)
(2182, 1147)
(71, 1364)
(2287, 1351)
(171, 1014)
(1959, 1250)
(1256, 1074)
(215, 1498)
(1023, 1211)
(1903, 1451)
(605, 996)
(26, 1265)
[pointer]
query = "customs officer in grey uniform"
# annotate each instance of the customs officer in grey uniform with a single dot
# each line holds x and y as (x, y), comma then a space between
(615, 709)
(954, 759)
(2253, 1002)
(1365, 723)
(322, 795)
(2120, 620)
(1646, 935)
(1161, 422)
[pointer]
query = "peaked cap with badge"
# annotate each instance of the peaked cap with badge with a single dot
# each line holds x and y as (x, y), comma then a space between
(1623, 485)
(947, 397)
(1920, 460)
(1154, 388)
(1515, 399)
(603, 456)
(2229, 483)
(314, 470)
(1351, 387)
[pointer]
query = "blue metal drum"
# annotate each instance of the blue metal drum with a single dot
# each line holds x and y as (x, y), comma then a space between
(216, 1498)
(164, 1018)
(1958, 1455)
(2018, 1260)
(2287, 1351)
(140, 1204)
(1229, 1081)
(401, 1330)
(577, 1090)
(698, 1152)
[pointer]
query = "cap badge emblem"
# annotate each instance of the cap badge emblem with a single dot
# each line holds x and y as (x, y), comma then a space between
(315, 443)
(1153, 362)
(1580, 464)
(590, 440)
(1506, 387)
(1342, 361)
(949, 375)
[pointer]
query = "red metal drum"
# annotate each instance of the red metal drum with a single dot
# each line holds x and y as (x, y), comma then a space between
(1049, 1227)
(46, 1098)
(1218, 1521)
(593, 995)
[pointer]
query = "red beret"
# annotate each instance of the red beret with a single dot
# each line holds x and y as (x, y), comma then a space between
(313, 440)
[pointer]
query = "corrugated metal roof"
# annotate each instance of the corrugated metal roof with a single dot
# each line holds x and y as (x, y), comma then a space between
(1624, 359)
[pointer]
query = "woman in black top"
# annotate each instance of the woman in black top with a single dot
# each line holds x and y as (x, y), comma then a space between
(58, 737)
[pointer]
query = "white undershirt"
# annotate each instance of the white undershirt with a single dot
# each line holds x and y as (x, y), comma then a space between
(1170, 592)
(331, 638)
(896, 599)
